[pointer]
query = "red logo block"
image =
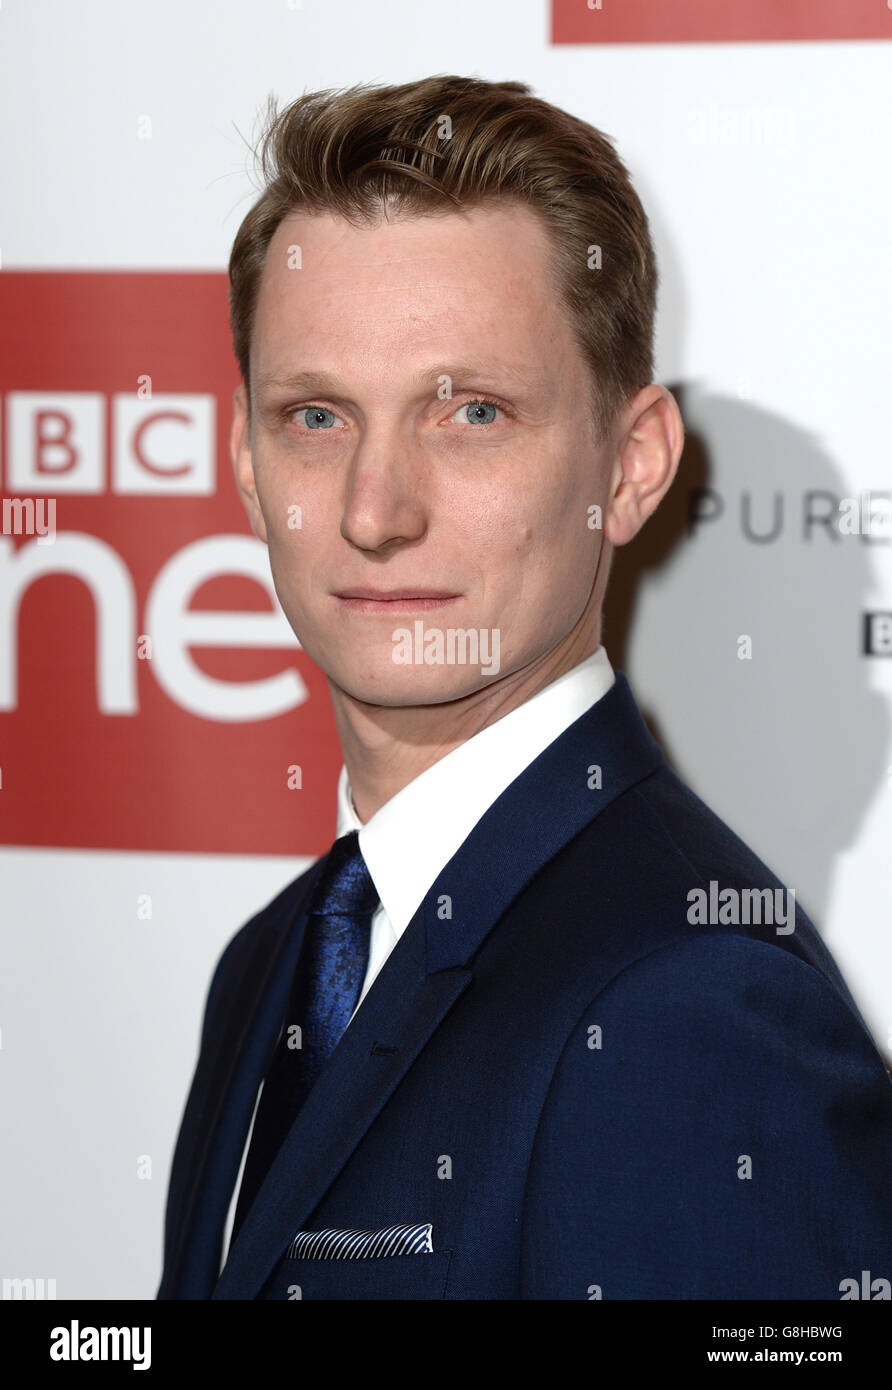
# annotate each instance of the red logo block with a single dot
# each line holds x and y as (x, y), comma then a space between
(717, 21)
(152, 694)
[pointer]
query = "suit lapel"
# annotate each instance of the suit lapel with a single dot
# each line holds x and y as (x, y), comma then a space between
(234, 1081)
(603, 753)
(599, 756)
(398, 1015)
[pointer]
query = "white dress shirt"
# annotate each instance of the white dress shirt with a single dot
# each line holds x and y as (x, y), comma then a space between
(412, 837)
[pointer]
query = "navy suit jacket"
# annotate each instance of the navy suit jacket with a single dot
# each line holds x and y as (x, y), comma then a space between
(584, 1093)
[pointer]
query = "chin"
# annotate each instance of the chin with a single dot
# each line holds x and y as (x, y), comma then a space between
(405, 686)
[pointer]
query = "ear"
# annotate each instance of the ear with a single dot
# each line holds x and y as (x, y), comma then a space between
(651, 439)
(243, 464)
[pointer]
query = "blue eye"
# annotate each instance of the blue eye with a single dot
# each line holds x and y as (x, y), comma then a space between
(480, 412)
(316, 417)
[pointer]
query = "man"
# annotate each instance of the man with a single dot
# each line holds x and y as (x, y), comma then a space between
(540, 1026)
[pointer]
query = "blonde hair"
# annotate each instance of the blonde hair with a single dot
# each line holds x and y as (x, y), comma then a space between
(447, 143)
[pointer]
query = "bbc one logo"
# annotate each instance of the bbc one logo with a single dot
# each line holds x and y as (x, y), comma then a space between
(133, 444)
(57, 442)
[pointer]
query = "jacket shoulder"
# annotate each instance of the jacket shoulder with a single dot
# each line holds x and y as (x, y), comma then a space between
(719, 1125)
(708, 852)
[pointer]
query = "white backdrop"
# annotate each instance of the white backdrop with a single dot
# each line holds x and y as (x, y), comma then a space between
(763, 168)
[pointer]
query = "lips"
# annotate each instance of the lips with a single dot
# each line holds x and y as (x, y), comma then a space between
(391, 600)
(393, 595)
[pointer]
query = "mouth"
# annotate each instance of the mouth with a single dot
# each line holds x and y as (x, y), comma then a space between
(394, 600)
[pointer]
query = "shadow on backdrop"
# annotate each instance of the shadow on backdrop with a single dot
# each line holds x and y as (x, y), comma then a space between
(791, 746)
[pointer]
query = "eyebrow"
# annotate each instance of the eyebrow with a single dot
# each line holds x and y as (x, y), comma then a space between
(325, 383)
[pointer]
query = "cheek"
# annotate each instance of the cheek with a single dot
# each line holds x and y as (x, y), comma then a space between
(275, 499)
(298, 525)
(556, 537)
(551, 565)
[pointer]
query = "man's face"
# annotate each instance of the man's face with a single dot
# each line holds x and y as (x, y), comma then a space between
(418, 394)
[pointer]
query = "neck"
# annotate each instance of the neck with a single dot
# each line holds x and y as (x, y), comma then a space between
(387, 747)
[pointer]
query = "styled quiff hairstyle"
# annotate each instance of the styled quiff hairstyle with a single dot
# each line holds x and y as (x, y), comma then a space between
(372, 151)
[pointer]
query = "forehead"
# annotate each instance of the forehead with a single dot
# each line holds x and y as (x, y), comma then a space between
(449, 285)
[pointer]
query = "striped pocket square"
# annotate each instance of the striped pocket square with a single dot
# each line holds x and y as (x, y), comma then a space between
(416, 1239)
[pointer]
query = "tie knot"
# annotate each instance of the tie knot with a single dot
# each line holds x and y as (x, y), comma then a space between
(345, 887)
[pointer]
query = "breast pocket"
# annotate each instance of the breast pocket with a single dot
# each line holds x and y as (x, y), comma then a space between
(391, 1276)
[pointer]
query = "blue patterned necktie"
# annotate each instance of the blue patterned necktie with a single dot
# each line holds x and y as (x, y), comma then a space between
(327, 985)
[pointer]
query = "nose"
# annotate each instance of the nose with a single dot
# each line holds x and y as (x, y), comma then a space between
(384, 505)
